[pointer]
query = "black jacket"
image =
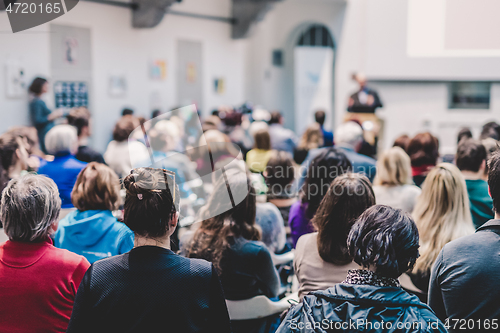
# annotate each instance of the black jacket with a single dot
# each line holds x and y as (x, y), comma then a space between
(150, 289)
(360, 308)
(465, 279)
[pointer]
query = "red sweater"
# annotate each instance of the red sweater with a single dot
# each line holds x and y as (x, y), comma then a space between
(38, 284)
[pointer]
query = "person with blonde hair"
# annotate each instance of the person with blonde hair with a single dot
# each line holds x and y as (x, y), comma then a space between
(393, 185)
(442, 214)
(258, 157)
(92, 231)
(311, 139)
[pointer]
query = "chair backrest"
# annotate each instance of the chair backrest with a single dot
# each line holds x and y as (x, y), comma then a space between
(257, 307)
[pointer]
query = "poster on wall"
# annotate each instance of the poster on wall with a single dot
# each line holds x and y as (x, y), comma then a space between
(220, 86)
(70, 51)
(191, 72)
(117, 85)
(158, 69)
(15, 79)
(71, 94)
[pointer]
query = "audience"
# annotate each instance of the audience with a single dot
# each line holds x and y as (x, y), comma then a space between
(471, 160)
(464, 133)
(442, 214)
(281, 137)
(29, 134)
(393, 185)
(150, 287)
(322, 258)
(123, 154)
(39, 281)
(62, 142)
(320, 116)
(258, 157)
(229, 238)
(464, 279)
(92, 231)
(280, 180)
(384, 242)
(324, 168)
(311, 139)
(423, 150)
(80, 118)
(490, 130)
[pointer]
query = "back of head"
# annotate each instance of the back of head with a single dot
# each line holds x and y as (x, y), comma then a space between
(384, 239)
(30, 134)
(30, 206)
(402, 141)
(442, 212)
(127, 112)
(269, 219)
(164, 135)
(423, 149)
(490, 130)
(349, 133)
(61, 139)
(394, 168)
(348, 197)
(9, 144)
(280, 171)
(323, 169)
(80, 118)
(225, 218)
(464, 133)
(275, 118)
(470, 155)
(320, 116)
(151, 202)
(312, 137)
(97, 188)
(494, 180)
(124, 127)
(262, 139)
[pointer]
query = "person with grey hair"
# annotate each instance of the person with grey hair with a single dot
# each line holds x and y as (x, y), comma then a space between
(39, 281)
(62, 142)
(349, 139)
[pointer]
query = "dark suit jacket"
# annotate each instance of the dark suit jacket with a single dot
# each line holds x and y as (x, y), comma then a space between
(150, 289)
(363, 108)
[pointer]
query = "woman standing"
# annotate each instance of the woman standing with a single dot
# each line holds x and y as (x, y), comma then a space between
(40, 114)
(150, 287)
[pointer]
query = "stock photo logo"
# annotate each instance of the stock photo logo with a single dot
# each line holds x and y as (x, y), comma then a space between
(26, 14)
(175, 142)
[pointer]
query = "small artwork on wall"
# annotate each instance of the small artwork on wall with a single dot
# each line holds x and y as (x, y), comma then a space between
(191, 72)
(158, 69)
(70, 94)
(220, 86)
(117, 85)
(71, 51)
(15, 80)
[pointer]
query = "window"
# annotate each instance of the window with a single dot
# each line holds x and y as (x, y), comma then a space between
(316, 35)
(469, 95)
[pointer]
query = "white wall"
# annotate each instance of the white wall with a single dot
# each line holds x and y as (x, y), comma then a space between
(118, 48)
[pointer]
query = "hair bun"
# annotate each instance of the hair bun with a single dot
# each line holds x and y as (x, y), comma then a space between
(140, 181)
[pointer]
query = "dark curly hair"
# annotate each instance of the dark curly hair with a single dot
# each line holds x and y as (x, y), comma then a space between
(386, 239)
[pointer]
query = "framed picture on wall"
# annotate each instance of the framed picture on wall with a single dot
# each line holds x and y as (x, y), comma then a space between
(117, 86)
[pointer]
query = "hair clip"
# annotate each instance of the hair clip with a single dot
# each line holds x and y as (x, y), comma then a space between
(139, 196)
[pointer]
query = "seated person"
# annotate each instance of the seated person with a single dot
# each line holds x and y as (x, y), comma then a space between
(80, 118)
(62, 142)
(39, 281)
(258, 157)
(229, 238)
(311, 139)
(150, 287)
(92, 231)
(384, 243)
(471, 160)
(280, 181)
(322, 258)
(320, 117)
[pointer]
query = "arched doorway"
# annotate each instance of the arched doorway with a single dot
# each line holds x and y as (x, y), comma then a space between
(314, 53)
